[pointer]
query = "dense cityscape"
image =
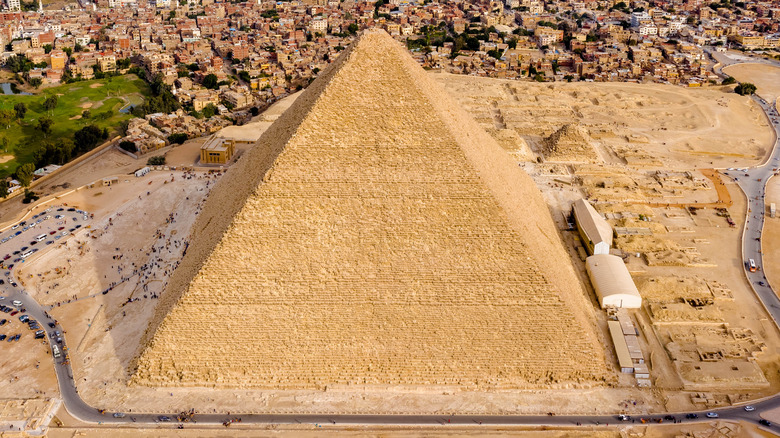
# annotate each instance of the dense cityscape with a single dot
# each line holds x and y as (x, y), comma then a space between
(216, 64)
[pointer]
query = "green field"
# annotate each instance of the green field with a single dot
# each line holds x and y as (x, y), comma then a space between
(102, 97)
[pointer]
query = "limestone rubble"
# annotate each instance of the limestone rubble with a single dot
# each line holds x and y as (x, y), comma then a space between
(374, 236)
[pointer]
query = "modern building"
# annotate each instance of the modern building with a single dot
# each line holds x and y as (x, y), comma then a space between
(595, 232)
(612, 282)
(217, 150)
(58, 59)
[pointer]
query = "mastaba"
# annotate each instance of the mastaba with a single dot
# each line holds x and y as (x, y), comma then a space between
(375, 235)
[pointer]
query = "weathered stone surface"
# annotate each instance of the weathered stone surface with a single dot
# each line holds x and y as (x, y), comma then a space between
(569, 143)
(375, 235)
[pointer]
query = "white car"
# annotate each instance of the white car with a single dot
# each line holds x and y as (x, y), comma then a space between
(17, 303)
(712, 415)
(749, 408)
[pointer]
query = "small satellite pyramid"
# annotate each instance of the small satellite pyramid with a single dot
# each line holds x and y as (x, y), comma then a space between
(375, 235)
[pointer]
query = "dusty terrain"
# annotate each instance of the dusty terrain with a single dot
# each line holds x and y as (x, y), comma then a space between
(706, 430)
(766, 78)
(709, 340)
(645, 125)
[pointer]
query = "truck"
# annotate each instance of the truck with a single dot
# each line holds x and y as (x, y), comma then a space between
(55, 350)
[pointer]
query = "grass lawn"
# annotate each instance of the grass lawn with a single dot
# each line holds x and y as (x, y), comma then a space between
(102, 97)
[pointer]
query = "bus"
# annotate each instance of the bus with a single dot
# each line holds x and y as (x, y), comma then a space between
(27, 253)
(41, 237)
(752, 265)
(55, 350)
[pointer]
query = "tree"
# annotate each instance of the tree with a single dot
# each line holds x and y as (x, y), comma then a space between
(44, 125)
(6, 117)
(3, 188)
(18, 64)
(745, 89)
(86, 138)
(352, 28)
(4, 143)
(210, 81)
(47, 48)
(177, 138)
(25, 174)
(209, 110)
(21, 110)
(728, 81)
(29, 196)
(53, 152)
(158, 160)
(254, 110)
(50, 102)
(127, 145)
(35, 82)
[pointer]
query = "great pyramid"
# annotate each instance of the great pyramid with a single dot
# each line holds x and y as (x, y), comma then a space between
(375, 235)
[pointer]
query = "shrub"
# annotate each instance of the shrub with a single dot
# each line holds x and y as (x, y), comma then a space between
(745, 89)
(129, 146)
(178, 138)
(159, 160)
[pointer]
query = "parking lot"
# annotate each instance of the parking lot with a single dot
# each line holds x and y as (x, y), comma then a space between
(18, 243)
(25, 238)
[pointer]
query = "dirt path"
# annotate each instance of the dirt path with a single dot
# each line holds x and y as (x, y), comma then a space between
(724, 198)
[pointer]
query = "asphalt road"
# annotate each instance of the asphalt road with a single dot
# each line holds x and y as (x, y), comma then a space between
(753, 185)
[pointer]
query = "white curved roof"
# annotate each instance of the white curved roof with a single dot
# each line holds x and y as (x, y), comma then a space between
(597, 229)
(614, 285)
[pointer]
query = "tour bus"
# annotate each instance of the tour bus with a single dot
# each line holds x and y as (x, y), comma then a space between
(27, 253)
(55, 350)
(41, 237)
(752, 265)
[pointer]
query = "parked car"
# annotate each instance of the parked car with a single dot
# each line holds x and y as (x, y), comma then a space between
(118, 415)
(163, 418)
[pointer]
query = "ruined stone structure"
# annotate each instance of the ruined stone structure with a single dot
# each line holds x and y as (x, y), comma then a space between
(375, 235)
(569, 143)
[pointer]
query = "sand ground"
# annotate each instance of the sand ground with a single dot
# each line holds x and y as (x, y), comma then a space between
(766, 78)
(648, 125)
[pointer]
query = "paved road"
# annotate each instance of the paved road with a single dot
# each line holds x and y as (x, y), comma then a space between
(753, 183)
(727, 59)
